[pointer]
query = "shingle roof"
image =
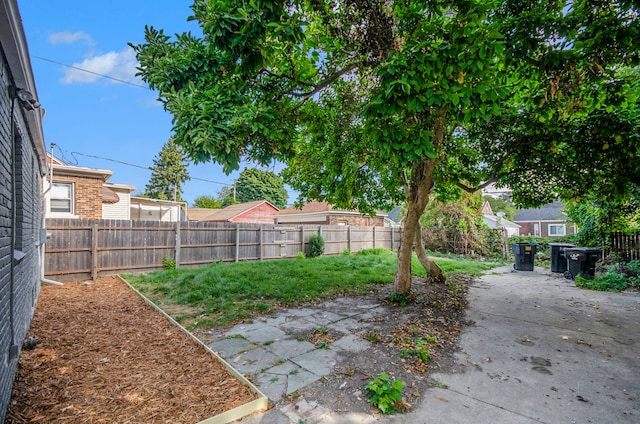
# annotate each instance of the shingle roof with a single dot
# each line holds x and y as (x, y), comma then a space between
(550, 212)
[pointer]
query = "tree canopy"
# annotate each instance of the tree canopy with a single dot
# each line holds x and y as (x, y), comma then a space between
(168, 173)
(372, 102)
(207, 202)
(255, 184)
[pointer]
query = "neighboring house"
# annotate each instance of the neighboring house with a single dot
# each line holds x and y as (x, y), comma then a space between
(22, 169)
(545, 221)
(144, 209)
(256, 212)
(495, 221)
(323, 213)
(80, 192)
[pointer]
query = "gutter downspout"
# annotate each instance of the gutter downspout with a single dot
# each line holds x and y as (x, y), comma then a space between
(44, 237)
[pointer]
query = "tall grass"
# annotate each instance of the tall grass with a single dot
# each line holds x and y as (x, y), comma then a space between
(221, 294)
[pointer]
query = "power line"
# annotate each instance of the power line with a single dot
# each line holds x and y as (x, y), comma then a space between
(91, 72)
(141, 167)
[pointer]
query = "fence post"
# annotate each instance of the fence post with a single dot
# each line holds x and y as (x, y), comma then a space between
(374, 237)
(302, 238)
(237, 256)
(260, 245)
(349, 238)
(94, 251)
(178, 244)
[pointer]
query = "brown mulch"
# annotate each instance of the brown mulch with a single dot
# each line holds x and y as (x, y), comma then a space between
(104, 356)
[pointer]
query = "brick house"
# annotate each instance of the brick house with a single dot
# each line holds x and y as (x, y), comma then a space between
(22, 169)
(322, 213)
(545, 221)
(80, 192)
(256, 212)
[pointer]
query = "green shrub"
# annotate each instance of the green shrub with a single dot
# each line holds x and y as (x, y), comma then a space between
(618, 276)
(168, 263)
(386, 394)
(316, 246)
(300, 255)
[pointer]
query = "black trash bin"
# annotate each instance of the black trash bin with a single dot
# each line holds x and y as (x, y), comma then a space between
(581, 261)
(558, 259)
(524, 253)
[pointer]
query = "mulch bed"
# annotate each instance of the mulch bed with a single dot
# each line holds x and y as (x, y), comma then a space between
(104, 356)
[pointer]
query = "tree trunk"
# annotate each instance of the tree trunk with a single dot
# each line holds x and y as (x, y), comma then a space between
(418, 190)
(434, 273)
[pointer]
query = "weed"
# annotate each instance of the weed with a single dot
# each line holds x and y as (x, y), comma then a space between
(323, 345)
(401, 299)
(268, 342)
(293, 372)
(273, 379)
(436, 383)
(235, 336)
(279, 362)
(168, 263)
(372, 337)
(300, 255)
(386, 394)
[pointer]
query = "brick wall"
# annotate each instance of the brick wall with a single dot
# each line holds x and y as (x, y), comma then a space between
(19, 279)
(375, 221)
(87, 195)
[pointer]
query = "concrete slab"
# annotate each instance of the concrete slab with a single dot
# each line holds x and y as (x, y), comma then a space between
(231, 347)
(321, 319)
(264, 333)
(254, 361)
(347, 325)
(319, 361)
(351, 343)
(289, 348)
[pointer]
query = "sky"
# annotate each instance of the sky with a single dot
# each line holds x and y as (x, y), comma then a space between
(111, 122)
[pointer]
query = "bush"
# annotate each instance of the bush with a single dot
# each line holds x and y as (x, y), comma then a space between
(316, 246)
(168, 263)
(616, 277)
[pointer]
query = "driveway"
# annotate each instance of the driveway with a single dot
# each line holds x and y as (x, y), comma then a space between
(539, 350)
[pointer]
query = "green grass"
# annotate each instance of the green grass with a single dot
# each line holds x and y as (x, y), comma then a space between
(221, 294)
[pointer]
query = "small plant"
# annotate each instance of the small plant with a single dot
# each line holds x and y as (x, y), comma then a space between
(401, 299)
(316, 246)
(300, 255)
(346, 252)
(372, 337)
(293, 372)
(267, 343)
(386, 394)
(323, 345)
(168, 263)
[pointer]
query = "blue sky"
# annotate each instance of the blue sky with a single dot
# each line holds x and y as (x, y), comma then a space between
(88, 115)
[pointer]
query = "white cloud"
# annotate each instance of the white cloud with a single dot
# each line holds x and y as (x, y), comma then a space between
(67, 37)
(113, 65)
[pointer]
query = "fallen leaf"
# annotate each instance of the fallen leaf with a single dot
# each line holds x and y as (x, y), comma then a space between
(440, 398)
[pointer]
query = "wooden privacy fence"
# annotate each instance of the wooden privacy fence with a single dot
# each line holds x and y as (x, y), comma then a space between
(627, 246)
(80, 249)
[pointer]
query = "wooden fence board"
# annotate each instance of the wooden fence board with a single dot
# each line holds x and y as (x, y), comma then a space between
(82, 249)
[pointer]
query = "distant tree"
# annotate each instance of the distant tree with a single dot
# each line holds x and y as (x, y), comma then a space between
(168, 174)
(208, 202)
(501, 205)
(255, 184)
(226, 196)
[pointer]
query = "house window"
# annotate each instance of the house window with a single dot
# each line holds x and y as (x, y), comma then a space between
(556, 230)
(61, 198)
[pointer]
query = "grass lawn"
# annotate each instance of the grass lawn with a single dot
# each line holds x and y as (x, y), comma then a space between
(219, 295)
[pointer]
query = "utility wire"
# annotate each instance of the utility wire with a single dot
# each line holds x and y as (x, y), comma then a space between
(140, 166)
(91, 72)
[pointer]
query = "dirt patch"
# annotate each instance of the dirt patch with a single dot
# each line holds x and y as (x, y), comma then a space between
(104, 356)
(415, 337)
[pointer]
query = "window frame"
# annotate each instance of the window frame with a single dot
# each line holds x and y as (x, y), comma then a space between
(70, 199)
(563, 227)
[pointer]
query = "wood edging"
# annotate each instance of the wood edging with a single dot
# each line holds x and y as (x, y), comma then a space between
(260, 404)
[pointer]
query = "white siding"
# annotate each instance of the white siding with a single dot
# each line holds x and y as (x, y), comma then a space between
(120, 210)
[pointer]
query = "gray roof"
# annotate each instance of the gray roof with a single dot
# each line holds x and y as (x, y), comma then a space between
(550, 212)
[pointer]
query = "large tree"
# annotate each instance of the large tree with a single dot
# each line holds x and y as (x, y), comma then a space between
(256, 184)
(168, 173)
(372, 102)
